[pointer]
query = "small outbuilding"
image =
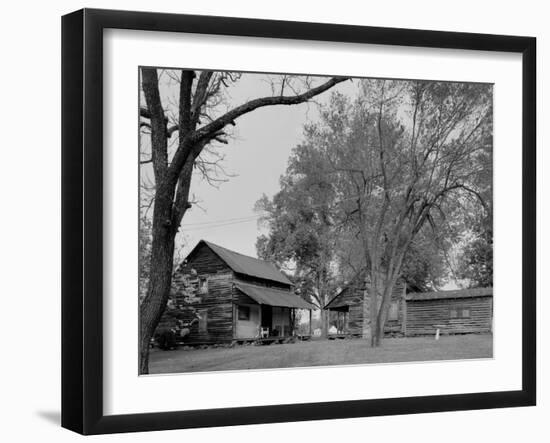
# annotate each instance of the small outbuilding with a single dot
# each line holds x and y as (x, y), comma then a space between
(221, 296)
(345, 310)
(460, 311)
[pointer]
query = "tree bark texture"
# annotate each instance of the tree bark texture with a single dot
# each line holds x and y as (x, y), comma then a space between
(160, 279)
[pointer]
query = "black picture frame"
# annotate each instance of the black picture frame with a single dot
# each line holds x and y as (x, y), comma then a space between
(82, 219)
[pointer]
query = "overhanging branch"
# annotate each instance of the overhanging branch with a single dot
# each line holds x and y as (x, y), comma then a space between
(192, 143)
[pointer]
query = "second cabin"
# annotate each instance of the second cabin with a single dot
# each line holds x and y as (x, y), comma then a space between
(226, 296)
(461, 311)
(345, 310)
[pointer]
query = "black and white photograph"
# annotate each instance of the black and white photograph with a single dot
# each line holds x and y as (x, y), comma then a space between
(296, 220)
(266, 221)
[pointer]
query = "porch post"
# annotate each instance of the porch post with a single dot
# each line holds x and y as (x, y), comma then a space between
(260, 325)
(404, 310)
(234, 319)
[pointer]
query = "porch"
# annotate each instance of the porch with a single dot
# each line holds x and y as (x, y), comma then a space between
(267, 315)
(338, 322)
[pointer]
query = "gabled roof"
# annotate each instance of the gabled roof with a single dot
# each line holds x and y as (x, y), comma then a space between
(244, 264)
(359, 277)
(336, 302)
(457, 293)
(273, 297)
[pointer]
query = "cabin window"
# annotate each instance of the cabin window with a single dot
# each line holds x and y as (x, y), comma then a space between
(459, 312)
(203, 285)
(203, 320)
(393, 313)
(244, 313)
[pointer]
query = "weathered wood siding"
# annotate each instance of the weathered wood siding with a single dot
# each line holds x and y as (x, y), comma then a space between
(355, 319)
(352, 298)
(203, 261)
(424, 316)
(212, 306)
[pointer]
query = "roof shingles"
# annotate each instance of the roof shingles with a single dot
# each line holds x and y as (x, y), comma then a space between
(457, 293)
(243, 264)
(273, 297)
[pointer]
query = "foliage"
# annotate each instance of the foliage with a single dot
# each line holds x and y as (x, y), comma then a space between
(301, 228)
(400, 163)
(476, 264)
(424, 266)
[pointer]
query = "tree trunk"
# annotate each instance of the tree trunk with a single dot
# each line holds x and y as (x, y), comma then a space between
(384, 308)
(324, 323)
(324, 313)
(367, 306)
(373, 300)
(160, 278)
(383, 314)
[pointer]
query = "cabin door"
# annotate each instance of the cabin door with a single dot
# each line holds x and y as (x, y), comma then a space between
(267, 317)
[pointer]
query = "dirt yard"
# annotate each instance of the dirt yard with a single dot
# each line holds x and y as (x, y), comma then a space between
(321, 353)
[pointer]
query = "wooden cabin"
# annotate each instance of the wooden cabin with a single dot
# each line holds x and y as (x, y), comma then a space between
(345, 310)
(223, 296)
(460, 311)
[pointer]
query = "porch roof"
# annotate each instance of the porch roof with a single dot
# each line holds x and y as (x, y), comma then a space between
(273, 297)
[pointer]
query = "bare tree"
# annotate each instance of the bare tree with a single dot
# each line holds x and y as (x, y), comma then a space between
(198, 124)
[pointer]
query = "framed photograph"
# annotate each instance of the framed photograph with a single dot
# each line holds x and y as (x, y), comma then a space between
(270, 221)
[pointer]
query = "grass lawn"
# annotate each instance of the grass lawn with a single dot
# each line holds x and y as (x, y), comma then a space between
(321, 353)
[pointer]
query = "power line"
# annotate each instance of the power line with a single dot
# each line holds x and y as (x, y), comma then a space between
(221, 225)
(215, 222)
(238, 220)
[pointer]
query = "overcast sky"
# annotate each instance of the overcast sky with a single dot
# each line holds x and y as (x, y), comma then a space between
(256, 157)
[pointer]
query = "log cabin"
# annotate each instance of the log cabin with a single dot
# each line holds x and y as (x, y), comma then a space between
(345, 310)
(460, 311)
(223, 296)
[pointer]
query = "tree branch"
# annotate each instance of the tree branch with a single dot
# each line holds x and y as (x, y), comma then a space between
(193, 143)
(201, 96)
(186, 86)
(181, 200)
(250, 106)
(144, 112)
(155, 112)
